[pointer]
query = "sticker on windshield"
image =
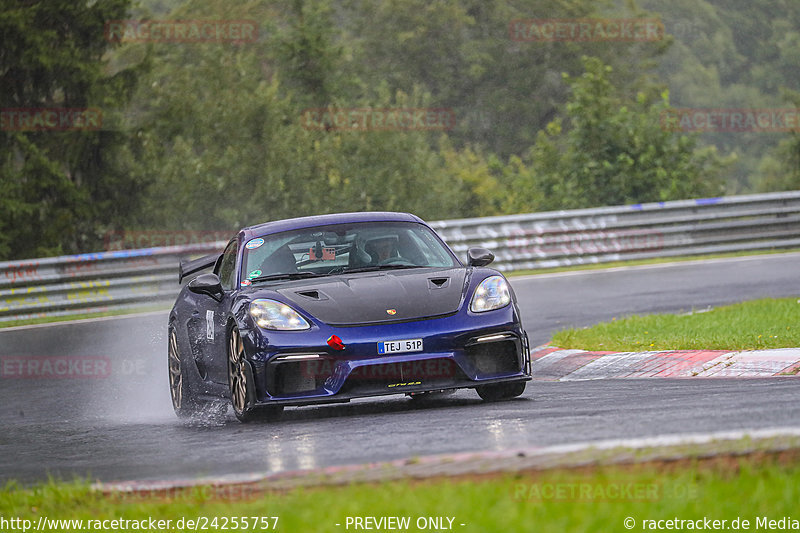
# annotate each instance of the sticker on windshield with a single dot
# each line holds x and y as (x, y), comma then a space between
(254, 274)
(254, 243)
(246, 282)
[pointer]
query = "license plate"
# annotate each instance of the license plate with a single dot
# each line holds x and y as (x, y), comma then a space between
(403, 346)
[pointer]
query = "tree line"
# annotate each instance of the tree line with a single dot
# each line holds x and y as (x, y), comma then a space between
(215, 135)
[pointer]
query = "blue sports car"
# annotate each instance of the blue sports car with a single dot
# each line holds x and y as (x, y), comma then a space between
(329, 308)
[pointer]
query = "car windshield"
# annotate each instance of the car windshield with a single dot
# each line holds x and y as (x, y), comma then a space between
(343, 248)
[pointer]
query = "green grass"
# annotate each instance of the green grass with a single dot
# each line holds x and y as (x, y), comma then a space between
(754, 325)
(561, 500)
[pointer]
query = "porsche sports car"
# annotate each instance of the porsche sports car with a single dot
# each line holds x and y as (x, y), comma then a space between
(329, 308)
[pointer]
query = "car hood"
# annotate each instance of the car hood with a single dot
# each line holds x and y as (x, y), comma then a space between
(375, 297)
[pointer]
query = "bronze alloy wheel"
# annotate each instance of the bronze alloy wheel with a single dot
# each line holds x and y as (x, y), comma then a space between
(175, 373)
(240, 387)
(237, 377)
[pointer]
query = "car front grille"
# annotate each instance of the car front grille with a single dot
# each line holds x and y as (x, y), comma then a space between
(499, 357)
(286, 378)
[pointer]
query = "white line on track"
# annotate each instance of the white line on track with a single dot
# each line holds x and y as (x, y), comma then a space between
(673, 440)
(84, 320)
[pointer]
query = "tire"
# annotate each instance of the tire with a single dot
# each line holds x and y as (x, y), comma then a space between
(183, 392)
(240, 386)
(501, 391)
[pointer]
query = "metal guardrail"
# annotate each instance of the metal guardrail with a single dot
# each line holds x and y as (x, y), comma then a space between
(125, 278)
(95, 282)
(642, 231)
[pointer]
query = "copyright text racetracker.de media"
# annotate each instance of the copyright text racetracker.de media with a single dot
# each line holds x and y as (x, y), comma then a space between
(757, 523)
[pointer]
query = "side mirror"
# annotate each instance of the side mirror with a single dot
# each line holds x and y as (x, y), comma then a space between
(207, 284)
(478, 257)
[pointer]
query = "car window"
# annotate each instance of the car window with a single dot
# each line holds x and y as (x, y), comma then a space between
(227, 267)
(338, 248)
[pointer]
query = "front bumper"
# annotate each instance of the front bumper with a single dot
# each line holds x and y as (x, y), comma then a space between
(464, 350)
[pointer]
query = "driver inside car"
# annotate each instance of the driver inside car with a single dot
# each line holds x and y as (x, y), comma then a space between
(382, 249)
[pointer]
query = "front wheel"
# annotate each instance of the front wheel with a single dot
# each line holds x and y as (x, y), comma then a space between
(501, 391)
(241, 387)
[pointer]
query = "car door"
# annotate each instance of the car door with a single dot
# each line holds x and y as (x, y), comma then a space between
(211, 318)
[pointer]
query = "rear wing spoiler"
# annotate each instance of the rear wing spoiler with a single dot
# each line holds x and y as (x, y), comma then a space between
(188, 267)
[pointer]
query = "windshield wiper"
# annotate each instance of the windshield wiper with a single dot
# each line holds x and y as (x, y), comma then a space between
(286, 276)
(373, 268)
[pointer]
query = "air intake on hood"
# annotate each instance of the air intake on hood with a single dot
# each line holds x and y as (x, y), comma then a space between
(313, 294)
(438, 283)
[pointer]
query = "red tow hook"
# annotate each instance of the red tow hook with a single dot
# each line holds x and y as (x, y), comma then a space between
(335, 342)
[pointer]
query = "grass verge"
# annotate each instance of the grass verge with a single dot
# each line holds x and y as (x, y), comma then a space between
(641, 262)
(753, 325)
(597, 499)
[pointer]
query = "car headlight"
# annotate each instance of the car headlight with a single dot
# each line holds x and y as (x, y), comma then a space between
(492, 293)
(270, 314)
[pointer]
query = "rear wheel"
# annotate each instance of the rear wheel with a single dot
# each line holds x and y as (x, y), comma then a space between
(241, 387)
(501, 391)
(185, 401)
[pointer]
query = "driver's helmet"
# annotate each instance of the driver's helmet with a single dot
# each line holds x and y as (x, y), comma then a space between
(382, 248)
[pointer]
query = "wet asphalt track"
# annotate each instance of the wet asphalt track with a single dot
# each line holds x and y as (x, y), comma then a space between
(122, 427)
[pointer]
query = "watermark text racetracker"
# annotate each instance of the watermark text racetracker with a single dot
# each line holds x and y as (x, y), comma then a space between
(50, 118)
(181, 31)
(586, 30)
(126, 240)
(371, 119)
(757, 523)
(405, 373)
(68, 367)
(736, 120)
(608, 491)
